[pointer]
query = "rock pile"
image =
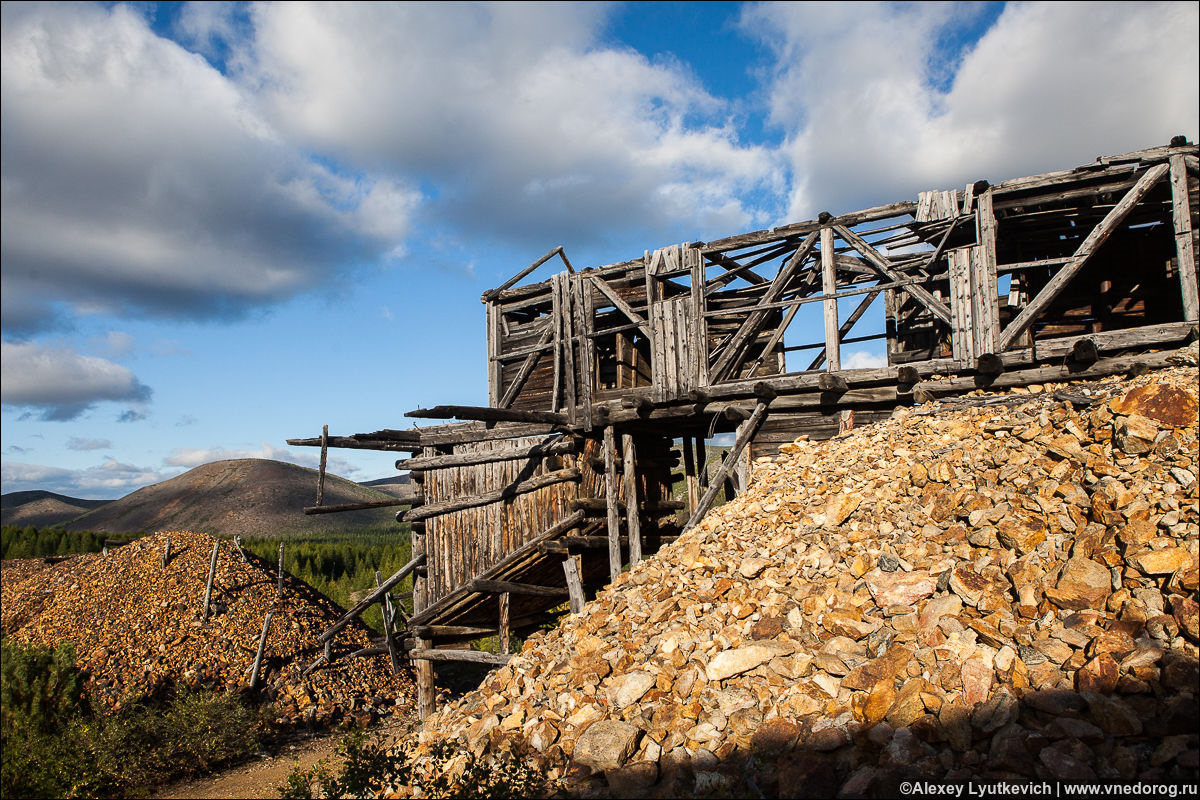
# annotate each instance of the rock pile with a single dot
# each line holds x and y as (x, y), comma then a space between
(1002, 587)
(136, 627)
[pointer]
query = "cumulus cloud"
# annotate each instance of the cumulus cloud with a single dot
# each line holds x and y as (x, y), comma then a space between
(139, 180)
(190, 457)
(861, 359)
(872, 113)
(62, 383)
(527, 126)
(106, 481)
(77, 443)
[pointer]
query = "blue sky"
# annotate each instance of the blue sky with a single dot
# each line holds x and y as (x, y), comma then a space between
(227, 224)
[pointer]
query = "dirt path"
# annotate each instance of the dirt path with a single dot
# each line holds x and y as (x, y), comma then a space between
(262, 777)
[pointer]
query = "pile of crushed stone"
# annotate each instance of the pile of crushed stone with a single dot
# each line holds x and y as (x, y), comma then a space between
(136, 627)
(1002, 587)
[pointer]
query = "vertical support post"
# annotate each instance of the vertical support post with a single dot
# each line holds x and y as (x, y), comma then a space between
(730, 475)
(610, 494)
(743, 462)
(166, 556)
(633, 506)
(237, 544)
(556, 321)
(494, 367)
(574, 585)
(689, 473)
(505, 616)
(1181, 215)
(212, 571)
(426, 697)
(262, 646)
(833, 353)
(702, 462)
(324, 461)
(985, 302)
(279, 585)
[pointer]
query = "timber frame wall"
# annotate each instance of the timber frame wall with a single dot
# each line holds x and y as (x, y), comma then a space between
(593, 375)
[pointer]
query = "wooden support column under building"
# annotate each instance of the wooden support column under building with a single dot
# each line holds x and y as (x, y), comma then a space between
(610, 495)
(574, 584)
(1181, 215)
(833, 352)
(984, 293)
(632, 504)
(689, 473)
(503, 628)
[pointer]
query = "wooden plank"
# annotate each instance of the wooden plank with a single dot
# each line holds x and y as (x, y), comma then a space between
(556, 322)
(552, 445)
(633, 521)
(1181, 215)
(884, 267)
(350, 443)
(570, 340)
(961, 339)
(492, 294)
(414, 498)
(689, 472)
(610, 494)
(985, 301)
(744, 437)
(493, 313)
(526, 369)
(854, 218)
(587, 360)
(484, 586)
(488, 414)
(833, 351)
(425, 654)
(1082, 255)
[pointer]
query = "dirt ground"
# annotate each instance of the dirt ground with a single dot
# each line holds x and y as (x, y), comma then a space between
(262, 777)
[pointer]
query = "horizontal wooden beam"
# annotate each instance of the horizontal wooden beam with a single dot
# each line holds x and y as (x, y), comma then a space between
(472, 656)
(501, 587)
(350, 443)
(415, 498)
(549, 447)
(487, 414)
(486, 498)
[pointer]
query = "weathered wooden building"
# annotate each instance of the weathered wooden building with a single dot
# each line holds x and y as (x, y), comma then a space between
(605, 383)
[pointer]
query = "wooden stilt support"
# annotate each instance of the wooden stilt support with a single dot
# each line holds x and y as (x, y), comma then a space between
(1181, 215)
(743, 439)
(689, 473)
(633, 520)
(388, 636)
(610, 493)
(279, 584)
(574, 585)
(324, 461)
(166, 556)
(833, 352)
(426, 697)
(505, 611)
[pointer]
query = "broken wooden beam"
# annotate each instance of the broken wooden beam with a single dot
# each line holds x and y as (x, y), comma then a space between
(744, 436)
(486, 414)
(472, 656)
(372, 598)
(414, 498)
(508, 587)
(549, 447)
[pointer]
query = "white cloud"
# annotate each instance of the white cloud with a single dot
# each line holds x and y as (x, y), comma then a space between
(63, 383)
(1049, 86)
(107, 481)
(77, 443)
(524, 123)
(861, 359)
(138, 179)
(190, 457)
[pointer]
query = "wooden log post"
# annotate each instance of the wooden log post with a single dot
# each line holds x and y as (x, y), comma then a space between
(689, 473)
(237, 544)
(610, 494)
(574, 585)
(503, 633)
(212, 572)
(262, 646)
(324, 462)
(279, 579)
(166, 556)
(633, 520)
(426, 695)
(701, 462)
(833, 353)
(1181, 216)
(744, 436)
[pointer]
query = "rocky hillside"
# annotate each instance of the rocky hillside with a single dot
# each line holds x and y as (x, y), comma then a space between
(999, 588)
(240, 497)
(137, 628)
(42, 509)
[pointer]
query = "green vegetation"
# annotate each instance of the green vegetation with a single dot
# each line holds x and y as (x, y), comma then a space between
(342, 567)
(31, 542)
(369, 767)
(57, 745)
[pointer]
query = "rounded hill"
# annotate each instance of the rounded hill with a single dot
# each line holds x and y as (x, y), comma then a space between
(246, 497)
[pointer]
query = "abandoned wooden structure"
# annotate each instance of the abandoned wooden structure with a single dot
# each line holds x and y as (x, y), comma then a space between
(603, 381)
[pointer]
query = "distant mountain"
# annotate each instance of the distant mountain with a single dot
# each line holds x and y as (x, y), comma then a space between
(247, 497)
(14, 499)
(394, 486)
(43, 509)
